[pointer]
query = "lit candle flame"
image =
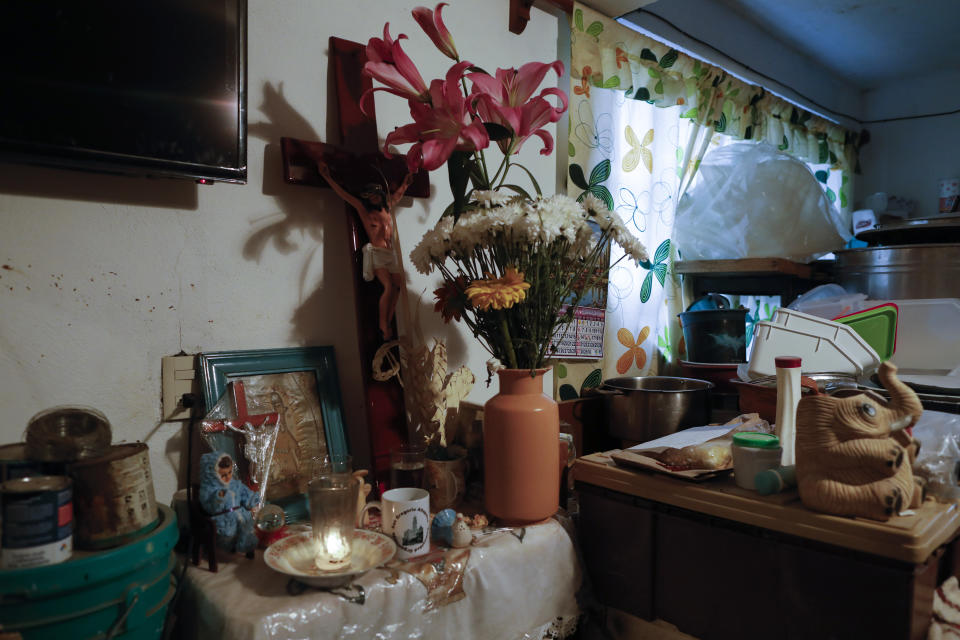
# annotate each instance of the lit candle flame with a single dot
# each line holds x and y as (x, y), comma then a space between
(333, 551)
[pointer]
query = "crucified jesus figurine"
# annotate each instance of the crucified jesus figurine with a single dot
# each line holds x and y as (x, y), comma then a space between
(375, 208)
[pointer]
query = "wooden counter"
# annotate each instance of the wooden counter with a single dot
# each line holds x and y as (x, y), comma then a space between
(721, 562)
(910, 538)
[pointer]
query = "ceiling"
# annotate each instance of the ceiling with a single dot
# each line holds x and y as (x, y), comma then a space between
(868, 43)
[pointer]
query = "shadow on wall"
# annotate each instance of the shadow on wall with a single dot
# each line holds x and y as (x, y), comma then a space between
(298, 205)
(67, 184)
(432, 325)
(326, 312)
(316, 213)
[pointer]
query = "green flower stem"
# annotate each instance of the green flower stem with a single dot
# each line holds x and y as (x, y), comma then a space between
(505, 164)
(508, 342)
(504, 167)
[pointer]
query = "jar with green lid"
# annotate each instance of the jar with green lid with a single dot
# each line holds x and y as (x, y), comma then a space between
(753, 452)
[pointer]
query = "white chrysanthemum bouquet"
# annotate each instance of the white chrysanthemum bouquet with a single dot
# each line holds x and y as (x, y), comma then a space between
(509, 269)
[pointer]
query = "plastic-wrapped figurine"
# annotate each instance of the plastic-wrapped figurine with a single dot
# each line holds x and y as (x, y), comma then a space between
(228, 502)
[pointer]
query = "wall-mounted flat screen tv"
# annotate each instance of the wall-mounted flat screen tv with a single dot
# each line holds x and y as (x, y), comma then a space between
(150, 88)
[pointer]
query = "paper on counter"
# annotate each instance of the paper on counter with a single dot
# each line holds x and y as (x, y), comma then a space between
(687, 437)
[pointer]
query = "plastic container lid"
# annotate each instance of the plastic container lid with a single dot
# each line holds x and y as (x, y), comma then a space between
(787, 362)
(756, 440)
(877, 325)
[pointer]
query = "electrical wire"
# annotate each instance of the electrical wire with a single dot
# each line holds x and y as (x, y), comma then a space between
(786, 86)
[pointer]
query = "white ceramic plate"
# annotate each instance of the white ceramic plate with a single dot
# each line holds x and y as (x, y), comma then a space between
(294, 556)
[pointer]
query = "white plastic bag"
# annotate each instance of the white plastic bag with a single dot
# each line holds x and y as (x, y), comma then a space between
(830, 301)
(939, 458)
(753, 201)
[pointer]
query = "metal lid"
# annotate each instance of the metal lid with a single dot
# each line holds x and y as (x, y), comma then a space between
(914, 231)
(35, 483)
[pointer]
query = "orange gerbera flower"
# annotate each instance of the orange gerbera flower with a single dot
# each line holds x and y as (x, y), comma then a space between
(498, 293)
(451, 299)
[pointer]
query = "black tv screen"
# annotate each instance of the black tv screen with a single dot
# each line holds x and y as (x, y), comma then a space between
(153, 88)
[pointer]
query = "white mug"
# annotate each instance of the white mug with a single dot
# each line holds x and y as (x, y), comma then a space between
(405, 513)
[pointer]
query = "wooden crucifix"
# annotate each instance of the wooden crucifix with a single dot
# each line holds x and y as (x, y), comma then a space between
(354, 164)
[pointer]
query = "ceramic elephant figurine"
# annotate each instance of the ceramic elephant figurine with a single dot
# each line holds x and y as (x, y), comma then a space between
(852, 457)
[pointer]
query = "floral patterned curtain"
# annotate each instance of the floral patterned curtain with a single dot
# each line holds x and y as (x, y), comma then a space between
(642, 116)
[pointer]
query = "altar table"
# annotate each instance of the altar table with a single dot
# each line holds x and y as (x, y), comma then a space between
(518, 584)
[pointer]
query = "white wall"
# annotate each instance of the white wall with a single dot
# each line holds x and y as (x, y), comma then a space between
(908, 157)
(102, 275)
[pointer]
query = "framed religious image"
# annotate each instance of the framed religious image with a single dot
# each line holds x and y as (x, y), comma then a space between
(298, 384)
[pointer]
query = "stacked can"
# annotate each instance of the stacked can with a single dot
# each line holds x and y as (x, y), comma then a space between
(37, 521)
(36, 497)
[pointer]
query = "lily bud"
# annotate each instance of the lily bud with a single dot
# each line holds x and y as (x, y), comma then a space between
(432, 25)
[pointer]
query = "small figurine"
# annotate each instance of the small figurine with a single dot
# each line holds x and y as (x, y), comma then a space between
(271, 525)
(452, 529)
(375, 209)
(461, 536)
(228, 503)
(480, 521)
(365, 488)
(441, 529)
(852, 457)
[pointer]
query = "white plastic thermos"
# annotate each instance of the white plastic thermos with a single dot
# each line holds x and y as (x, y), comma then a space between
(788, 395)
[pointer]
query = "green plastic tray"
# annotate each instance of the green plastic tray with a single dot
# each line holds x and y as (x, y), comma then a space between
(877, 325)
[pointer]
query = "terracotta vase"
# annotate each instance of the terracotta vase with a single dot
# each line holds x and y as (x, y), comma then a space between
(521, 455)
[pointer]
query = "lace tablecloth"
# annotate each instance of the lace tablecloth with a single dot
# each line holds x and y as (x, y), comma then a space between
(518, 584)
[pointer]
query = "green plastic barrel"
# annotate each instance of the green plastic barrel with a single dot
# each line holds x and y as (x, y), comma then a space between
(119, 593)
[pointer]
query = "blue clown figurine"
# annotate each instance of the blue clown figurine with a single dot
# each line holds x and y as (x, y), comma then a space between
(228, 502)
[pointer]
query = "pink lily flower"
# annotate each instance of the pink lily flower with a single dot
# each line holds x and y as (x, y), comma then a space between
(432, 25)
(506, 100)
(389, 64)
(440, 127)
(382, 50)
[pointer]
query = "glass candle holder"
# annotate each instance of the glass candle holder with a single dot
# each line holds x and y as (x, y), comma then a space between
(407, 466)
(333, 507)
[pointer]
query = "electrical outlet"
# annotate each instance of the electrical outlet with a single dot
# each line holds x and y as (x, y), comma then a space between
(178, 376)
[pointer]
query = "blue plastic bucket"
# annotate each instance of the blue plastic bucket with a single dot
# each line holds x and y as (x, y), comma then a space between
(118, 593)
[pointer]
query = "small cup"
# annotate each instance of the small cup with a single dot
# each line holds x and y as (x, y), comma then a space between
(407, 466)
(446, 480)
(333, 508)
(754, 452)
(406, 518)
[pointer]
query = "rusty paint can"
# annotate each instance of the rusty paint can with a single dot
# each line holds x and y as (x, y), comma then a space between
(114, 497)
(37, 521)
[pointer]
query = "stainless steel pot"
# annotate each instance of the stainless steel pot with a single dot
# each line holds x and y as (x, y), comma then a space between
(901, 272)
(644, 408)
